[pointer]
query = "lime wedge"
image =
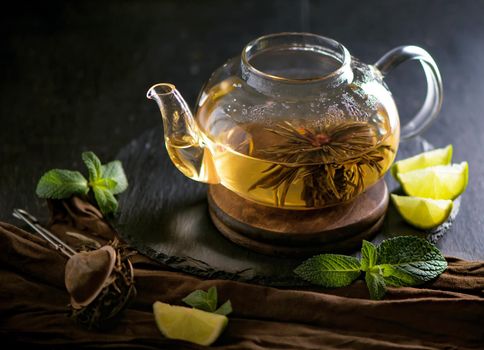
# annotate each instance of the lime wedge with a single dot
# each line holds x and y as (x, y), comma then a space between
(423, 213)
(436, 182)
(440, 156)
(184, 323)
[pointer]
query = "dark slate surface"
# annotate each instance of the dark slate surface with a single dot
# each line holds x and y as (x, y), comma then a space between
(73, 77)
(165, 215)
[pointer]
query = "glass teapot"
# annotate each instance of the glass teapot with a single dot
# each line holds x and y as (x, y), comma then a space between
(294, 122)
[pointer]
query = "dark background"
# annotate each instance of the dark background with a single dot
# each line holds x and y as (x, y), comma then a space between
(73, 76)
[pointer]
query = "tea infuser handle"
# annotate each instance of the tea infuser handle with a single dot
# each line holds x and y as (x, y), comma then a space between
(56, 242)
(433, 101)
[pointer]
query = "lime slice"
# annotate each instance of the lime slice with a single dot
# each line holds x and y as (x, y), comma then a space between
(440, 156)
(423, 213)
(184, 323)
(436, 182)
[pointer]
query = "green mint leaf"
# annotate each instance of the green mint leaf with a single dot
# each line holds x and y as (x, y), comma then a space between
(224, 309)
(93, 165)
(114, 170)
(409, 260)
(199, 300)
(105, 200)
(105, 184)
(207, 301)
(58, 184)
(212, 298)
(376, 285)
(368, 255)
(330, 270)
(398, 278)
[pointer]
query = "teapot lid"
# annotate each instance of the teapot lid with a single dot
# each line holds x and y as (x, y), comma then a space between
(294, 64)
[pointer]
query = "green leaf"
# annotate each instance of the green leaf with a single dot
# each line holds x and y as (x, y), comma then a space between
(114, 170)
(105, 200)
(398, 278)
(330, 270)
(368, 255)
(409, 260)
(212, 298)
(199, 299)
(93, 165)
(224, 309)
(58, 184)
(207, 301)
(376, 285)
(105, 184)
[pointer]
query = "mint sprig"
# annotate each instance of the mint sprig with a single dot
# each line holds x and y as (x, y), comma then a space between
(399, 261)
(104, 181)
(207, 301)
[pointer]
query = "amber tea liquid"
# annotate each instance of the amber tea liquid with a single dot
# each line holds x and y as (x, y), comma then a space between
(239, 172)
(290, 163)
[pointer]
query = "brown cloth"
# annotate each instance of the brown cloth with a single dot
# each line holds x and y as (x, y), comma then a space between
(445, 314)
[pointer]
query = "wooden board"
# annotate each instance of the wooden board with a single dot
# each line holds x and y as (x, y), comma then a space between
(348, 244)
(298, 233)
(298, 227)
(165, 215)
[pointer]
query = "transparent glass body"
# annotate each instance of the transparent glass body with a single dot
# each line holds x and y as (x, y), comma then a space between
(295, 122)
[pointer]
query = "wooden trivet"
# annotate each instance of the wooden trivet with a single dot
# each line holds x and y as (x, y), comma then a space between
(283, 232)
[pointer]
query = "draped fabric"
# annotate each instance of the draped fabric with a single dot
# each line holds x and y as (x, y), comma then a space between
(447, 313)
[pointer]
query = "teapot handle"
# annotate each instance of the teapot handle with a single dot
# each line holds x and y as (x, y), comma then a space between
(433, 101)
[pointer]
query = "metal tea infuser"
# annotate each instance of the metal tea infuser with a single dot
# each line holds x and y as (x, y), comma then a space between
(100, 281)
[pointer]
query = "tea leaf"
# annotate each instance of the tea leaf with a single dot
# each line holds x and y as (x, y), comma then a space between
(327, 159)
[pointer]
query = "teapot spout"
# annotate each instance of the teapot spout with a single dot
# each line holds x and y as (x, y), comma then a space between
(183, 139)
